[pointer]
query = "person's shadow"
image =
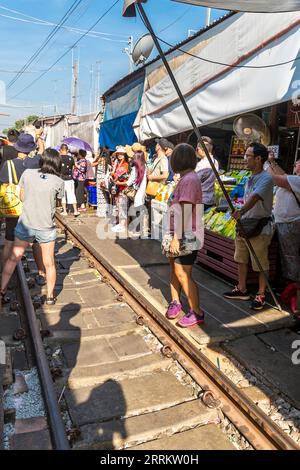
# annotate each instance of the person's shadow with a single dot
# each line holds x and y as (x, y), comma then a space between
(105, 408)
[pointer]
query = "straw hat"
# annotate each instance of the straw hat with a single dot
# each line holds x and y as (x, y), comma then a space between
(136, 147)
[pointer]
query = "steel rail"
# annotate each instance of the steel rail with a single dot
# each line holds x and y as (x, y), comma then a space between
(252, 423)
(57, 428)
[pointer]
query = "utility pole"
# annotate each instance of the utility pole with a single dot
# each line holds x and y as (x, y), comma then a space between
(74, 84)
(97, 87)
(129, 50)
(91, 87)
(55, 95)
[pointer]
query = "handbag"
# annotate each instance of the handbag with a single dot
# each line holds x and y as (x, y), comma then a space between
(251, 227)
(188, 244)
(10, 202)
(153, 186)
(130, 192)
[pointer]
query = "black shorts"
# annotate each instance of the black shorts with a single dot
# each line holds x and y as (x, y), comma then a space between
(10, 225)
(187, 260)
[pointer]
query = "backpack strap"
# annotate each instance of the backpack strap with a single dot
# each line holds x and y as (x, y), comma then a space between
(14, 173)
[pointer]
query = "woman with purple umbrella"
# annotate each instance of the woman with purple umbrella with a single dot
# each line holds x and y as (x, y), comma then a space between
(75, 144)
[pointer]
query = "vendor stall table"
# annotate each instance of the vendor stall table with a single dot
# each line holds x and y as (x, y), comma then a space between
(218, 254)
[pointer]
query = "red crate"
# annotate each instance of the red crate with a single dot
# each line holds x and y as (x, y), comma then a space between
(218, 254)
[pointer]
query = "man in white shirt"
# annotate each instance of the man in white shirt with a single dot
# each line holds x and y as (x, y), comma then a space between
(205, 172)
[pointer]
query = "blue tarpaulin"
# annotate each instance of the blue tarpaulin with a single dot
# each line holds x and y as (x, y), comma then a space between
(118, 131)
(121, 109)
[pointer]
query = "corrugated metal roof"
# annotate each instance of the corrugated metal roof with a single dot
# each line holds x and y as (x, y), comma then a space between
(135, 74)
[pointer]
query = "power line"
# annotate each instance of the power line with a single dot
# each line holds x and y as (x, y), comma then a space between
(95, 34)
(48, 23)
(229, 65)
(221, 63)
(176, 20)
(70, 48)
(66, 16)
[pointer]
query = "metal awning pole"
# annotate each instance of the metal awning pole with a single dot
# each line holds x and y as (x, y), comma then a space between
(199, 137)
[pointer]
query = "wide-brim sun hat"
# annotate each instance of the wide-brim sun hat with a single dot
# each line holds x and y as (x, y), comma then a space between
(120, 149)
(25, 143)
(136, 147)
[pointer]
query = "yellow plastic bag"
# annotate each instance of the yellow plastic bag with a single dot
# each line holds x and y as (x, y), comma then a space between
(10, 202)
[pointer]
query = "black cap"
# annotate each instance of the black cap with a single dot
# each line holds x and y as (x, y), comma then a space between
(13, 135)
(164, 143)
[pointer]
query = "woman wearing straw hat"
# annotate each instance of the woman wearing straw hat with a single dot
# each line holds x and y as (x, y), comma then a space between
(119, 176)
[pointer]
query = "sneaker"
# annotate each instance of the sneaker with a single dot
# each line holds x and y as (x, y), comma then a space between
(63, 213)
(40, 280)
(236, 293)
(50, 300)
(191, 319)
(174, 309)
(258, 303)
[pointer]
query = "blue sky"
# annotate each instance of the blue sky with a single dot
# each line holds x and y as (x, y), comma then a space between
(20, 39)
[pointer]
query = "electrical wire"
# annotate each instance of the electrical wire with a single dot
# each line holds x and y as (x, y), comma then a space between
(92, 34)
(175, 21)
(221, 63)
(41, 22)
(65, 53)
(63, 20)
(229, 65)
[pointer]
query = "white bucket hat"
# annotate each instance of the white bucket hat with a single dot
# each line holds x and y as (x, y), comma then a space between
(120, 149)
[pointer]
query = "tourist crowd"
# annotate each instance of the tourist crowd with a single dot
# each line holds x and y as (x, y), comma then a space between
(126, 177)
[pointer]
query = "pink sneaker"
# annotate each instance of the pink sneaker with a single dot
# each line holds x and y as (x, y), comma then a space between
(191, 319)
(173, 310)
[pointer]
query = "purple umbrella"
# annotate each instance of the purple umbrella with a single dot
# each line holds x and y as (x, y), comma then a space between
(76, 144)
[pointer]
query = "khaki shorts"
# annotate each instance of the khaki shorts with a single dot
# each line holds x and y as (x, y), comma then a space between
(260, 245)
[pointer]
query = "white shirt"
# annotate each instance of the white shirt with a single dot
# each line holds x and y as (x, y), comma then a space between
(139, 198)
(204, 163)
(286, 207)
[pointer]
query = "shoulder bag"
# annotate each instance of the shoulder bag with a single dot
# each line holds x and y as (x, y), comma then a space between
(153, 186)
(10, 202)
(130, 192)
(298, 202)
(251, 227)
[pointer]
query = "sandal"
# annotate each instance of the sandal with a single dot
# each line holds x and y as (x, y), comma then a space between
(5, 299)
(50, 300)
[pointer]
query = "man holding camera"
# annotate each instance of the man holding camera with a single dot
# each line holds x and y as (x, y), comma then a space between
(258, 207)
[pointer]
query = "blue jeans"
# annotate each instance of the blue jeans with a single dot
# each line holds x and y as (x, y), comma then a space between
(28, 234)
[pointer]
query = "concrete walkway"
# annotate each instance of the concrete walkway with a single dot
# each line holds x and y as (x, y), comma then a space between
(141, 263)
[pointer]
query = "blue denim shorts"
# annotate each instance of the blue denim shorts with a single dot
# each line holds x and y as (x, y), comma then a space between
(28, 234)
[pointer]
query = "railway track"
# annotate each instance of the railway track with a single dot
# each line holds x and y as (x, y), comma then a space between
(125, 377)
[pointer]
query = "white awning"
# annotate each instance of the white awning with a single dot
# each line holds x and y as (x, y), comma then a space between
(258, 6)
(216, 91)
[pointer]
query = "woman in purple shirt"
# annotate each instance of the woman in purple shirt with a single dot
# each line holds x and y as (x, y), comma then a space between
(185, 235)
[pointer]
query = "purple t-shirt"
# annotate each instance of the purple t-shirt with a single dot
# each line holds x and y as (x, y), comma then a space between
(188, 190)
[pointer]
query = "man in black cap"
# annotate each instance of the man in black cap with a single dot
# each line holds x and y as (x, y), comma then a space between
(8, 152)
